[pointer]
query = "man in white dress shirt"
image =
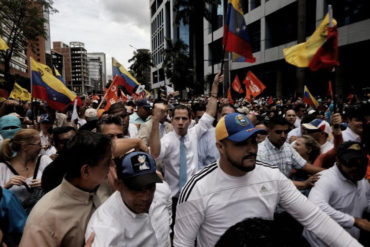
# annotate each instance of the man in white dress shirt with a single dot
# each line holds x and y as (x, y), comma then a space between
(355, 126)
(167, 149)
(139, 213)
(347, 204)
(238, 187)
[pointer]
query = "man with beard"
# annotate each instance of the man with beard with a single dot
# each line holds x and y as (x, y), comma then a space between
(238, 187)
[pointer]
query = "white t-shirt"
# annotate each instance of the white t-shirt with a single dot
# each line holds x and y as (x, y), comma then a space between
(212, 201)
(115, 225)
(20, 190)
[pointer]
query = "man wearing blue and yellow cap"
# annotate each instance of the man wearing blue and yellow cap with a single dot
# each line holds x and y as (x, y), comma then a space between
(238, 186)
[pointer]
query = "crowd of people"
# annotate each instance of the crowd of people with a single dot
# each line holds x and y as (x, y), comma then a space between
(194, 172)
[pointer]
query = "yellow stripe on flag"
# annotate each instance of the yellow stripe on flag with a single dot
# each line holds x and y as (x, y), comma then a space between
(20, 93)
(300, 55)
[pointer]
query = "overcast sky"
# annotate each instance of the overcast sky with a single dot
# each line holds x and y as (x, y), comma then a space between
(108, 26)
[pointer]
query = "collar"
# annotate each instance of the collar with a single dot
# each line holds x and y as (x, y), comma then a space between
(269, 145)
(76, 193)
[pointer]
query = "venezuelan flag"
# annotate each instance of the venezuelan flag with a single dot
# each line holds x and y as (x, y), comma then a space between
(236, 38)
(319, 51)
(309, 99)
(59, 76)
(125, 79)
(47, 87)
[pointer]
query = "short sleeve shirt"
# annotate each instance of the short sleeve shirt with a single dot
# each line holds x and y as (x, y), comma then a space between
(285, 157)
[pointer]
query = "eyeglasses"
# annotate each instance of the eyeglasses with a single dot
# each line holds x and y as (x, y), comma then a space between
(279, 132)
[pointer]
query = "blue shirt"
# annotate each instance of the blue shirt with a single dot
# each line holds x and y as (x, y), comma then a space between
(12, 215)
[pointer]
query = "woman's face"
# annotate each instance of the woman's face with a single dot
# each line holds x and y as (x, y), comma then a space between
(300, 146)
(33, 147)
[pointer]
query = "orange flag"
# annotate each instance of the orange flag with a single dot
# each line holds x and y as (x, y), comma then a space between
(112, 94)
(230, 97)
(248, 95)
(253, 84)
(236, 85)
(271, 101)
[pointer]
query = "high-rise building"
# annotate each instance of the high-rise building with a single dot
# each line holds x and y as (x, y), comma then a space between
(275, 25)
(161, 29)
(96, 57)
(58, 62)
(64, 50)
(80, 79)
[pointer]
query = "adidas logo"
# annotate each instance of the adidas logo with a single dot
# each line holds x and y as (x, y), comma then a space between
(263, 189)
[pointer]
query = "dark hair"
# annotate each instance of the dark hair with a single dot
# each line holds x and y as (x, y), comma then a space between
(259, 232)
(61, 130)
(199, 107)
(117, 107)
(221, 106)
(157, 101)
(311, 143)
(277, 120)
(85, 147)
(109, 119)
(298, 106)
(181, 107)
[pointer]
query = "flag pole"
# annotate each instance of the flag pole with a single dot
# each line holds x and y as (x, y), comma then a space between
(31, 83)
(332, 73)
(105, 95)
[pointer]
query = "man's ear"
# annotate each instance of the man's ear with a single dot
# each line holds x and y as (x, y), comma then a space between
(221, 147)
(85, 171)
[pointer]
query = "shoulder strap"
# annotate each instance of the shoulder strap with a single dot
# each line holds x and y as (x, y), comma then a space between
(37, 167)
(11, 168)
(17, 174)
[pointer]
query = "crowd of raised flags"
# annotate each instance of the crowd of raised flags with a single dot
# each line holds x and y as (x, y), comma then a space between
(320, 51)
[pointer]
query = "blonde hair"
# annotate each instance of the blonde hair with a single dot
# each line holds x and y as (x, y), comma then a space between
(312, 144)
(10, 146)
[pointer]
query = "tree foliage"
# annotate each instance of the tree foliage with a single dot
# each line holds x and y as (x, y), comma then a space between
(177, 65)
(186, 10)
(22, 23)
(140, 67)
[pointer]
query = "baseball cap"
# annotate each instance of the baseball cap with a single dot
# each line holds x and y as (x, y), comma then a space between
(235, 127)
(318, 124)
(45, 118)
(143, 103)
(351, 150)
(91, 114)
(137, 169)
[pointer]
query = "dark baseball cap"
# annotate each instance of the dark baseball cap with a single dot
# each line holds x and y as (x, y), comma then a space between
(137, 170)
(348, 151)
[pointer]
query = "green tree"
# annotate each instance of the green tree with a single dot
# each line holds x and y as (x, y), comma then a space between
(140, 67)
(177, 65)
(191, 13)
(22, 23)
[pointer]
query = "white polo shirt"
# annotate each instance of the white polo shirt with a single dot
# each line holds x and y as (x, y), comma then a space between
(212, 201)
(115, 225)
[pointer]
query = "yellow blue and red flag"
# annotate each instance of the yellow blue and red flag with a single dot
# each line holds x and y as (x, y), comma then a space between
(236, 38)
(125, 79)
(320, 51)
(308, 98)
(58, 75)
(47, 87)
